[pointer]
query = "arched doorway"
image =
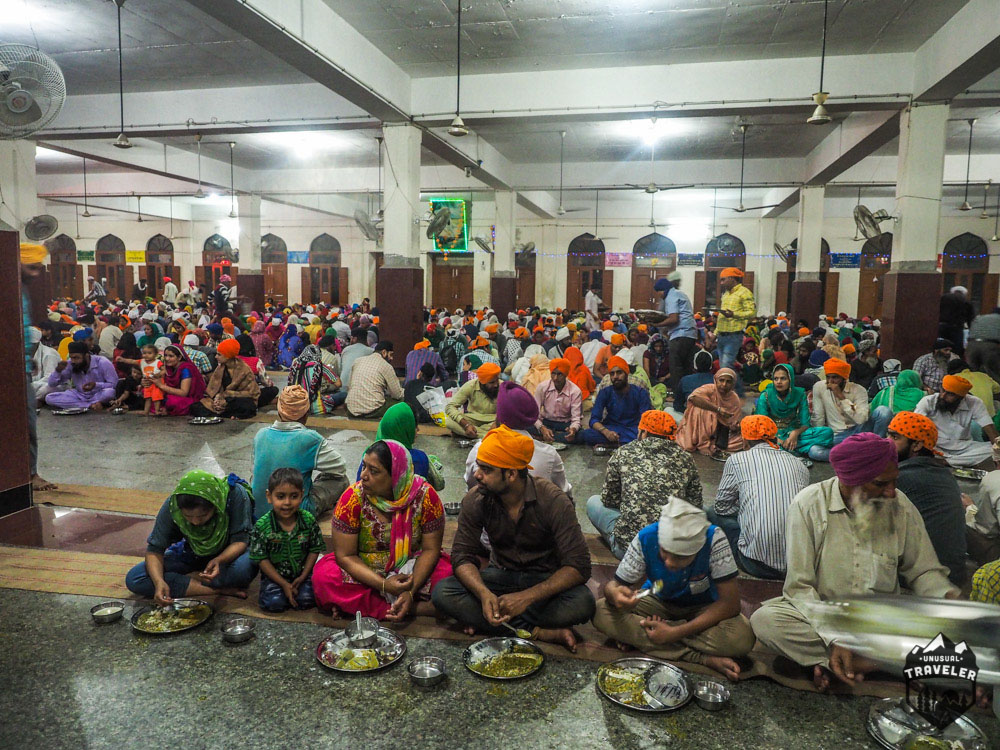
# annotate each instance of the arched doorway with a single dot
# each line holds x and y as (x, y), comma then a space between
(66, 276)
(653, 257)
(160, 263)
(966, 262)
(109, 258)
(274, 266)
(217, 257)
(585, 270)
(829, 279)
(524, 266)
(324, 279)
(724, 251)
(876, 255)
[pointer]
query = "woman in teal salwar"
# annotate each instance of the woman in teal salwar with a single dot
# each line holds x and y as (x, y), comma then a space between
(788, 406)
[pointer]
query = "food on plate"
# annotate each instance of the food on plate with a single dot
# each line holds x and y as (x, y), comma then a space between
(515, 663)
(626, 686)
(166, 621)
(356, 660)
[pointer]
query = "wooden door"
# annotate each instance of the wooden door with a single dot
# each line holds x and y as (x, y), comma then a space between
(155, 273)
(644, 297)
(441, 286)
(128, 280)
(320, 284)
(464, 285)
(65, 278)
(115, 274)
(525, 288)
(306, 293)
(580, 279)
(831, 290)
(991, 289)
(870, 292)
(700, 282)
(275, 282)
(342, 290)
(783, 291)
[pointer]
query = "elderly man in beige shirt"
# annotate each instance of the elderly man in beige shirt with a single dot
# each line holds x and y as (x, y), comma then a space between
(850, 535)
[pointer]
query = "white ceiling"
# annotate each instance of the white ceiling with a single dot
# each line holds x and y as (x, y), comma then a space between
(524, 35)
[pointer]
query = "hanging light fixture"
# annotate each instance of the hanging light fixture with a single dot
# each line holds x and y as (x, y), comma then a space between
(122, 140)
(966, 206)
(820, 116)
(138, 201)
(199, 193)
(457, 127)
(986, 192)
(996, 221)
(86, 209)
(232, 184)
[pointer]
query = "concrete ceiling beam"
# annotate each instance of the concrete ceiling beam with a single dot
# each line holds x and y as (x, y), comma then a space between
(960, 53)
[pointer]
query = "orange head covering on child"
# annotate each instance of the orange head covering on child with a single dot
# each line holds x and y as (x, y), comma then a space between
(229, 348)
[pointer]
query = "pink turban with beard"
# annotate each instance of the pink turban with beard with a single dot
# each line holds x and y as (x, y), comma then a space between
(861, 458)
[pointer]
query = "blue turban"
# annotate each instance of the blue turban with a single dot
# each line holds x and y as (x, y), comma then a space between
(215, 328)
(83, 334)
(662, 285)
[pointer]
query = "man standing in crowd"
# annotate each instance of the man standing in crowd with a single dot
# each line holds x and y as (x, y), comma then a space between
(955, 313)
(679, 326)
(169, 290)
(375, 385)
(92, 380)
(954, 411)
(591, 306)
(472, 411)
(850, 535)
(32, 259)
(736, 310)
(539, 562)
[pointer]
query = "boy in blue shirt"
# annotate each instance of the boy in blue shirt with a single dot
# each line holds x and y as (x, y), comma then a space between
(696, 615)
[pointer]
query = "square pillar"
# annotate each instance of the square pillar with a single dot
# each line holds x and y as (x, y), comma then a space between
(251, 280)
(503, 283)
(807, 288)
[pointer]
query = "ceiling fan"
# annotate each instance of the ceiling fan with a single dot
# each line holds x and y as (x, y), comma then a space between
(372, 227)
(597, 212)
(744, 127)
(563, 211)
(652, 187)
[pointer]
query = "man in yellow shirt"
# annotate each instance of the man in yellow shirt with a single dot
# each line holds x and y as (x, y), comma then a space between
(735, 312)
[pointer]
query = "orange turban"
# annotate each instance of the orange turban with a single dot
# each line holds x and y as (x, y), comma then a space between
(560, 364)
(536, 329)
(617, 339)
(506, 449)
(227, 325)
(521, 333)
(916, 427)
(848, 349)
(607, 325)
(658, 422)
(804, 332)
(479, 315)
(229, 348)
(731, 273)
(642, 327)
(618, 362)
(488, 372)
(421, 345)
(375, 320)
(956, 384)
(758, 427)
(835, 366)
(491, 328)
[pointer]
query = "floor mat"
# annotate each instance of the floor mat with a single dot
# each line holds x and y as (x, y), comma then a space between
(100, 575)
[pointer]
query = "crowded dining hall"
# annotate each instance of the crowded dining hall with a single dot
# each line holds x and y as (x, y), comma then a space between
(597, 374)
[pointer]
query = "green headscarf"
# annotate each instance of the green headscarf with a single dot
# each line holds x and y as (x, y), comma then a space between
(209, 538)
(398, 424)
(779, 408)
(904, 395)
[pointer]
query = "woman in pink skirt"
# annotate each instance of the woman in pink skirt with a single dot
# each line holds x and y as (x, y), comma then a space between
(387, 532)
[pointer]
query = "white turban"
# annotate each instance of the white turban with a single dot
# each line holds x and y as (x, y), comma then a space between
(34, 335)
(682, 528)
(192, 340)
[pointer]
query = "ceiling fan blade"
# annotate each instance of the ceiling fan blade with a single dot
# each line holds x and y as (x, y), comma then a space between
(674, 187)
(758, 208)
(573, 210)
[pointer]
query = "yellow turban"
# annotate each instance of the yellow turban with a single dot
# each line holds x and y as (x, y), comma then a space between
(31, 253)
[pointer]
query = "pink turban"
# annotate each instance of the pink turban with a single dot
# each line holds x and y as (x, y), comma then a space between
(861, 458)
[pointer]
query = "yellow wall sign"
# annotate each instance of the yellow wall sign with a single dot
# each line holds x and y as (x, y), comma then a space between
(135, 256)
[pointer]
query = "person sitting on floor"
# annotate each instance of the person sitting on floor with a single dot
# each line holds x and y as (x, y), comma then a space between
(903, 394)
(424, 354)
(755, 490)
(288, 443)
(374, 386)
(982, 533)
(202, 528)
(688, 384)
(711, 420)
(855, 521)
(91, 380)
(933, 366)
(788, 405)
(285, 543)
(43, 361)
(843, 407)
(696, 615)
(180, 382)
(931, 487)
(539, 562)
(638, 476)
(387, 533)
(560, 404)
(954, 411)
(399, 424)
(614, 418)
(986, 584)
(472, 410)
(232, 390)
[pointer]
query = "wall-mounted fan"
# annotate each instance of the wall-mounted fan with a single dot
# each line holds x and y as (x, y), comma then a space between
(525, 248)
(867, 221)
(782, 250)
(484, 244)
(371, 229)
(438, 222)
(32, 90)
(41, 227)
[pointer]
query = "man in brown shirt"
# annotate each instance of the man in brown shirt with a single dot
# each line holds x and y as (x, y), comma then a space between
(539, 564)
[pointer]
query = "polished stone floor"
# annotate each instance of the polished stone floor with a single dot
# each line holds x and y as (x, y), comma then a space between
(68, 683)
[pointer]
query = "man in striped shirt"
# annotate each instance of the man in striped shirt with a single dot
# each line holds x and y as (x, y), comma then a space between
(756, 488)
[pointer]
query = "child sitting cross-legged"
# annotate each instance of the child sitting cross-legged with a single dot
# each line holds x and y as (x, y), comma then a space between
(286, 542)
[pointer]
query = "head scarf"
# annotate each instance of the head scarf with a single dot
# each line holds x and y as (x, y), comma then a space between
(617, 361)
(173, 376)
(560, 364)
(916, 427)
(227, 326)
(818, 358)
(399, 424)
(759, 427)
(903, 396)
(956, 384)
(839, 367)
(293, 403)
(861, 458)
(538, 371)
(682, 528)
(210, 537)
(506, 449)
(788, 407)
(229, 348)
(579, 372)
(725, 372)
(407, 490)
(617, 339)
(516, 407)
(247, 347)
(658, 422)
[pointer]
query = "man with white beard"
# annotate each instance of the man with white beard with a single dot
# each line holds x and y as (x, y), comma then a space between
(851, 535)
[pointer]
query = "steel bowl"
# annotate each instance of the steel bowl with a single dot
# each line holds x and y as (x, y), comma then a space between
(118, 411)
(602, 449)
(238, 629)
(465, 443)
(453, 508)
(105, 612)
(711, 695)
(364, 637)
(427, 671)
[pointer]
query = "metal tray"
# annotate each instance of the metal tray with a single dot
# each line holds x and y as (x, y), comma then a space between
(180, 603)
(389, 648)
(489, 647)
(973, 475)
(69, 412)
(667, 687)
(205, 420)
(892, 723)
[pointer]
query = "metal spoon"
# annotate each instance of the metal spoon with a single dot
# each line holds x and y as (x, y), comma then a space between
(517, 631)
(656, 588)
